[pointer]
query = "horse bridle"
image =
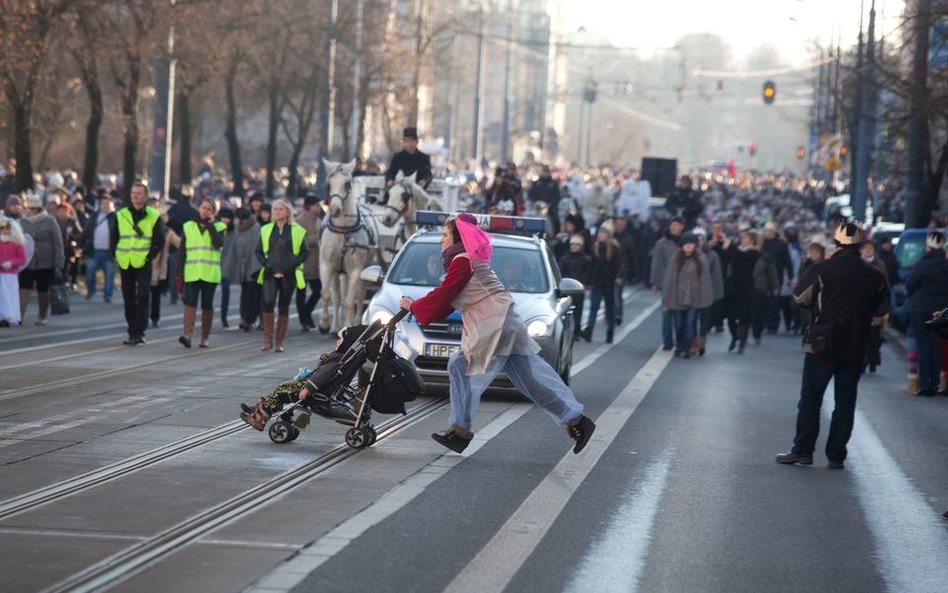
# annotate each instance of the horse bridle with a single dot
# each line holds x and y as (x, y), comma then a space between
(408, 194)
(344, 198)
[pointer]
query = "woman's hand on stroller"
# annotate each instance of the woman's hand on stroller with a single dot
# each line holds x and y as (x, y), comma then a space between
(304, 393)
(405, 303)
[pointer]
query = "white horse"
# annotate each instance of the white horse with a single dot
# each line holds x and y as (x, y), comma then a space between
(349, 236)
(405, 199)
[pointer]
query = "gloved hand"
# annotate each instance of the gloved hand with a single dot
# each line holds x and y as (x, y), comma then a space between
(179, 284)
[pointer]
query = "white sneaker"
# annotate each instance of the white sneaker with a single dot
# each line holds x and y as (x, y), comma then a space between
(41, 321)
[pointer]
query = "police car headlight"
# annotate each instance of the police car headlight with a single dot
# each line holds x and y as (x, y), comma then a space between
(380, 314)
(539, 328)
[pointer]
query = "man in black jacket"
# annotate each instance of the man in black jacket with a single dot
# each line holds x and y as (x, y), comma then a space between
(408, 161)
(779, 252)
(846, 294)
(577, 264)
(546, 190)
(685, 202)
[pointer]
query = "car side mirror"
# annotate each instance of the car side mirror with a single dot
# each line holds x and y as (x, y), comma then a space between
(569, 287)
(372, 275)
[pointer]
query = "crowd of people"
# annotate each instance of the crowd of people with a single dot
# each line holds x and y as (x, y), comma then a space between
(724, 251)
(186, 250)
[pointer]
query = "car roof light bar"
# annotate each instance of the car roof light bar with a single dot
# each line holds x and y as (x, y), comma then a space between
(523, 225)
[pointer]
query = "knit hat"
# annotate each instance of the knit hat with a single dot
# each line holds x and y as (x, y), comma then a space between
(935, 240)
(32, 201)
(310, 199)
(243, 213)
(13, 200)
(225, 213)
(688, 238)
(848, 233)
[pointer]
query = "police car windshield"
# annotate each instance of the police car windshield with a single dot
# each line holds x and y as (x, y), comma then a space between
(520, 270)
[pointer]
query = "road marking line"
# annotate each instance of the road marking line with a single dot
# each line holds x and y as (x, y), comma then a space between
(615, 561)
(293, 571)
(593, 356)
(496, 564)
(910, 539)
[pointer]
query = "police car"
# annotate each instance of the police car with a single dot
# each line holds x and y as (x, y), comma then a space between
(525, 266)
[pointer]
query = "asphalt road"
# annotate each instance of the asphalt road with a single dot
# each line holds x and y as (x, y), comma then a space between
(123, 469)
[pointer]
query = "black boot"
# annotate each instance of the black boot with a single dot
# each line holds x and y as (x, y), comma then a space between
(609, 335)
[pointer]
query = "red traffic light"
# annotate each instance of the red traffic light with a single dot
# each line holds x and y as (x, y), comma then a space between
(770, 92)
(801, 152)
(752, 147)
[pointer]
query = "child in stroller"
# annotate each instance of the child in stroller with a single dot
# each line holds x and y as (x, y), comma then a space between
(333, 391)
(321, 384)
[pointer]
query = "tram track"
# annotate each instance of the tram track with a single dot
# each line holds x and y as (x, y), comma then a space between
(129, 561)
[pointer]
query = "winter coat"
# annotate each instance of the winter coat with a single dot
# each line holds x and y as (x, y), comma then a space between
(849, 292)
(779, 253)
(577, 266)
(688, 285)
(229, 256)
(928, 283)
(766, 277)
(605, 271)
(47, 238)
(159, 265)
(310, 222)
(663, 252)
(245, 247)
(739, 285)
(714, 270)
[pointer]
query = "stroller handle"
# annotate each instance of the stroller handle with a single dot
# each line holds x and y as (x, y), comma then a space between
(402, 313)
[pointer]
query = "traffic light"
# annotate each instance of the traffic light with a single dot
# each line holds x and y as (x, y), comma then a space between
(843, 151)
(770, 92)
(801, 152)
(752, 148)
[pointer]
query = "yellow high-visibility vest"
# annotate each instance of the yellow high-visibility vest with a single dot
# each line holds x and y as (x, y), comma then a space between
(202, 261)
(297, 233)
(131, 251)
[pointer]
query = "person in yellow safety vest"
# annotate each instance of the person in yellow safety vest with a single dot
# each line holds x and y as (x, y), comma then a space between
(199, 270)
(281, 252)
(138, 236)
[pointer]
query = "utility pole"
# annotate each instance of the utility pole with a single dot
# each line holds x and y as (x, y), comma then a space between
(476, 143)
(917, 206)
(505, 127)
(357, 83)
(159, 170)
(866, 125)
(328, 97)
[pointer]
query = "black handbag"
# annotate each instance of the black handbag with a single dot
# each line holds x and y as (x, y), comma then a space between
(823, 338)
(58, 299)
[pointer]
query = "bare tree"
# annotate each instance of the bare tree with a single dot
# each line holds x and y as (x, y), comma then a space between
(25, 36)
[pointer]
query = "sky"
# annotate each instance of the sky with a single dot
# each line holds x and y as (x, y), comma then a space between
(789, 25)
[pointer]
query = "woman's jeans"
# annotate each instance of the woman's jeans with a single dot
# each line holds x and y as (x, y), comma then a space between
(596, 295)
(685, 322)
(530, 374)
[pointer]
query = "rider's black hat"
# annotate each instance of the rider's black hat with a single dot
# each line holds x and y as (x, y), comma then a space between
(410, 133)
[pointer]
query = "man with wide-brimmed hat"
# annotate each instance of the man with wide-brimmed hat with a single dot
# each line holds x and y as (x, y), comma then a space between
(408, 161)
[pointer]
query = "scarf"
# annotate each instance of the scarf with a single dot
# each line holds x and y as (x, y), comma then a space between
(447, 256)
(35, 218)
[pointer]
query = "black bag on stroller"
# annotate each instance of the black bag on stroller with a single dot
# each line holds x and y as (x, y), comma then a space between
(396, 382)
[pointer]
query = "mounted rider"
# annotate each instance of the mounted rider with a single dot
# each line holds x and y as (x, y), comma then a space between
(409, 161)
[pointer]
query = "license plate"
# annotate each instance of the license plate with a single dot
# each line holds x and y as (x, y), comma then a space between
(440, 350)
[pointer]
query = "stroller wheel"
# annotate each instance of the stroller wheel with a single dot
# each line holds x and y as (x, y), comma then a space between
(373, 436)
(294, 434)
(282, 431)
(357, 437)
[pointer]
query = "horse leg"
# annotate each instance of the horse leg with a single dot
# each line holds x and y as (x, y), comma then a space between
(326, 278)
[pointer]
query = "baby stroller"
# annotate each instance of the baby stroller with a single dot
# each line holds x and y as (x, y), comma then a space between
(340, 392)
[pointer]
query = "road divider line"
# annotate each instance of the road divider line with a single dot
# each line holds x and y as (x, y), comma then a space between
(910, 538)
(293, 571)
(593, 356)
(615, 562)
(499, 561)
